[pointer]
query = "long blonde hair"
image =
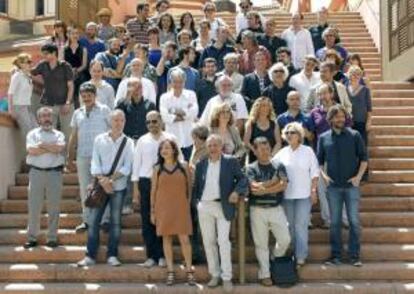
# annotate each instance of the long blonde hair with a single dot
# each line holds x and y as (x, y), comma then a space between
(214, 122)
(254, 112)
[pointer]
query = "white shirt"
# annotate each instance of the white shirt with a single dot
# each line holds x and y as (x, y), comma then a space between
(103, 156)
(148, 90)
(237, 79)
(46, 160)
(105, 94)
(300, 44)
(21, 88)
(212, 182)
(242, 23)
(214, 25)
(236, 102)
(187, 102)
(301, 167)
(146, 155)
(303, 85)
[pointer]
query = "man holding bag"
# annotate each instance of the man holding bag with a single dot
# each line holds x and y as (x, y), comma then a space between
(111, 165)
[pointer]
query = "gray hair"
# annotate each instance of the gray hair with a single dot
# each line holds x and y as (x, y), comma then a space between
(278, 66)
(201, 132)
(329, 30)
(297, 128)
(215, 137)
(116, 112)
(43, 109)
(230, 56)
(221, 79)
(178, 73)
(324, 86)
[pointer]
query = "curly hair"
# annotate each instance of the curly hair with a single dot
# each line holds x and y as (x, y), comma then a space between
(214, 121)
(254, 112)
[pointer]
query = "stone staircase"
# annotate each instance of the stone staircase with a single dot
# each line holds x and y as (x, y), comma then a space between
(387, 213)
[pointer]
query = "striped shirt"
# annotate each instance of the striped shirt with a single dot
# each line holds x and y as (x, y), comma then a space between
(138, 30)
(89, 125)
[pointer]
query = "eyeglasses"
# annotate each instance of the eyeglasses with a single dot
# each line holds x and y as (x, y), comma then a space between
(279, 71)
(152, 121)
(244, 7)
(290, 133)
(28, 62)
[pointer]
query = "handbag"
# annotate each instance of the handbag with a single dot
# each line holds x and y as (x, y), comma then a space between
(283, 271)
(96, 196)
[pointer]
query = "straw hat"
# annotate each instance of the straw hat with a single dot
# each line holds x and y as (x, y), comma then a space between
(104, 12)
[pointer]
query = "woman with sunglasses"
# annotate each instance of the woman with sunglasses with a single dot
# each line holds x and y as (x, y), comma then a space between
(303, 171)
(19, 94)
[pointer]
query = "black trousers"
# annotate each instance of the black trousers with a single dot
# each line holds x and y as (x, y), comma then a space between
(153, 243)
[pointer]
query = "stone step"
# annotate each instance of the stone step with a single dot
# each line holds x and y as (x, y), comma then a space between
(392, 85)
(379, 235)
(375, 212)
(344, 30)
(386, 189)
(391, 163)
(68, 179)
(407, 110)
(393, 93)
(391, 151)
(136, 254)
(392, 120)
(390, 102)
(134, 273)
(379, 287)
(393, 130)
(391, 140)
(392, 176)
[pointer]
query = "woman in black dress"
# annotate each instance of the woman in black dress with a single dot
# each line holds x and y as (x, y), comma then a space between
(77, 57)
(262, 123)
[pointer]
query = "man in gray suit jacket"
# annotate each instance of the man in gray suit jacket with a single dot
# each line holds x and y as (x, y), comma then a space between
(219, 183)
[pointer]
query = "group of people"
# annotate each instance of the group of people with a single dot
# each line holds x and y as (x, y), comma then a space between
(196, 120)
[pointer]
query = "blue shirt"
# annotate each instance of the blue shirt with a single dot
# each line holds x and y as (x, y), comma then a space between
(342, 152)
(109, 61)
(92, 48)
(103, 156)
(192, 77)
(305, 120)
(217, 54)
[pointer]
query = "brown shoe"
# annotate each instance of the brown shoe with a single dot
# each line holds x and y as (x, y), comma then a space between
(267, 282)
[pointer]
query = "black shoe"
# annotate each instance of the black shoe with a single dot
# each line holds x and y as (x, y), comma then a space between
(83, 227)
(333, 261)
(30, 244)
(355, 261)
(52, 244)
(105, 227)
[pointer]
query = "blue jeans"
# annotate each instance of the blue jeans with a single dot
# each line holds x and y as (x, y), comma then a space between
(186, 151)
(298, 216)
(115, 202)
(337, 197)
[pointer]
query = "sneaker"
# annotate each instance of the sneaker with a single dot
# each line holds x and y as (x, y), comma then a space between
(113, 261)
(87, 261)
(300, 262)
(162, 262)
(30, 244)
(333, 261)
(127, 210)
(355, 261)
(105, 227)
(52, 244)
(83, 227)
(266, 282)
(227, 286)
(149, 263)
(214, 282)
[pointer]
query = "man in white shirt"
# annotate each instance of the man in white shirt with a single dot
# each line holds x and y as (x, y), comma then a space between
(236, 102)
(145, 157)
(299, 40)
(231, 62)
(148, 88)
(306, 79)
(179, 110)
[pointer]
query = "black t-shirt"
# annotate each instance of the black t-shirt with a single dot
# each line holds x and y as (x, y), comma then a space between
(262, 173)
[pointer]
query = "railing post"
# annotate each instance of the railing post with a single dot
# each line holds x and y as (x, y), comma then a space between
(242, 240)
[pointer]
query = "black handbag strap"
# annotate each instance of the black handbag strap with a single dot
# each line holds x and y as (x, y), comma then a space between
(118, 156)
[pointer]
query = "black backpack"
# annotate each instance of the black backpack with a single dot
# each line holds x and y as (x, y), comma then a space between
(284, 271)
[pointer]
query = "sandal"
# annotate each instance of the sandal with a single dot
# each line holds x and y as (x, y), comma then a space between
(170, 278)
(190, 278)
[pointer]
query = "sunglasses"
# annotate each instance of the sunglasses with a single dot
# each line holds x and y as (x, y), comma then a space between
(152, 121)
(279, 71)
(244, 7)
(290, 133)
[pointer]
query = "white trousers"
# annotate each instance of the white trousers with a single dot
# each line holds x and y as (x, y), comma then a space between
(215, 230)
(262, 221)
